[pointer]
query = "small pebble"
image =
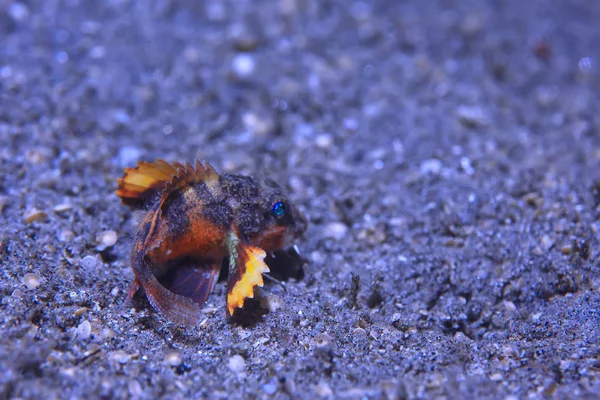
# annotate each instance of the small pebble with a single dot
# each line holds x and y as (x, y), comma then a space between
(108, 334)
(467, 166)
(585, 64)
(350, 124)
(119, 356)
(567, 249)
(271, 387)
(496, 377)
(323, 343)
(359, 333)
(89, 262)
(258, 124)
(84, 330)
(271, 302)
(32, 281)
(324, 141)
(565, 365)
(173, 358)
(65, 236)
(431, 167)
(510, 306)
(237, 364)
(39, 155)
(80, 311)
(335, 230)
(261, 341)
(18, 11)
(62, 57)
(546, 243)
(61, 208)
(546, 95)
(34, 215)
(243, 66)
(68, 372)
(533, 199)
(472, 116)
(97, 52)
(106, 239)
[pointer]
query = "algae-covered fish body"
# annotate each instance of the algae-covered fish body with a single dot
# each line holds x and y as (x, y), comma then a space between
(196, 218)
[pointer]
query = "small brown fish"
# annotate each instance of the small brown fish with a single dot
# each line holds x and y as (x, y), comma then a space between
(196, 218)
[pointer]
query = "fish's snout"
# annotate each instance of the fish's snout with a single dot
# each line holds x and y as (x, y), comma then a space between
(300, 223)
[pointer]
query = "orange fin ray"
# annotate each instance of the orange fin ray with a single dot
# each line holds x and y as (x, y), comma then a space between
(146, 181)
(188, 174)
(245, 273)
(142, 183)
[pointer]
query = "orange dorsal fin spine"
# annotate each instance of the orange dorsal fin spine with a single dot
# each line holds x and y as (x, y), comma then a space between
(146, 181)
(187, 175)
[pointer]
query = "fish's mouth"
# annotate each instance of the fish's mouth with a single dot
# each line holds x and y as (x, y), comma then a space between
(278, 237)
(289, 238)
(300, 224)
(272, 238)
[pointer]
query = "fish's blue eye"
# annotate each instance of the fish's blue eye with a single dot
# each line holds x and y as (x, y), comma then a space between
(278, 209)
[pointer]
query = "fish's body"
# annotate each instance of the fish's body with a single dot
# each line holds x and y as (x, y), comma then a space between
(196, 218)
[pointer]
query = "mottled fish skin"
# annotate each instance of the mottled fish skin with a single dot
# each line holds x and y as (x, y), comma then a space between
(196, 218)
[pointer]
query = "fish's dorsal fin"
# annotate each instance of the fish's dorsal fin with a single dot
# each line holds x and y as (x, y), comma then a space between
(145, 181)
(188, 174)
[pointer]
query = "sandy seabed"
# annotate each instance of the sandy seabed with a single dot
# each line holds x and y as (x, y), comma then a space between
(445, 153)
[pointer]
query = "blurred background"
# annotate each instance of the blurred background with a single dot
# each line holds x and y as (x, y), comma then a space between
(446, 154)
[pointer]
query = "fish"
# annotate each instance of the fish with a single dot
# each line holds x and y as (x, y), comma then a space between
(195, 219)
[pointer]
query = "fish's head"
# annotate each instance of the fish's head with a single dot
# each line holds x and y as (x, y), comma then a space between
(269, 220)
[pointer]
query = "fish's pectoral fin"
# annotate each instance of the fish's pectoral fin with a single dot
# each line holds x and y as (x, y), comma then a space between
(174, 307)
(245, 273)
(170, 305)
(195, 280)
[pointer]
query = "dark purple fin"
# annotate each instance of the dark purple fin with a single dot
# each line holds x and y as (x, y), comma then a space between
(195, 281)
(174, 307)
